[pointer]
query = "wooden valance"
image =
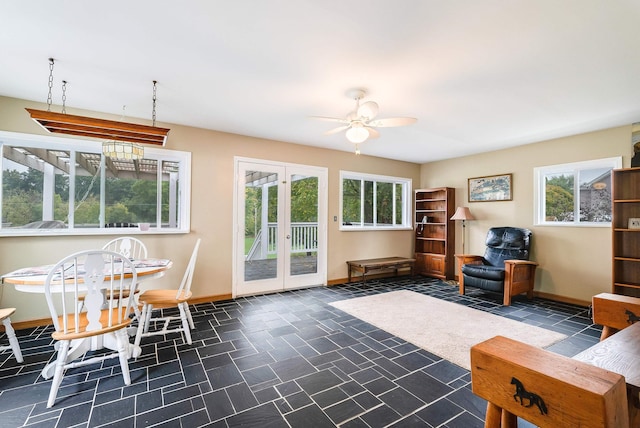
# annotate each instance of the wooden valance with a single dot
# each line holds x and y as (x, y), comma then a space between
(99, 128)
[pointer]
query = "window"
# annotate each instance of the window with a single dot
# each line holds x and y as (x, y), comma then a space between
(59, 186)
(574, 194)
(374, 202)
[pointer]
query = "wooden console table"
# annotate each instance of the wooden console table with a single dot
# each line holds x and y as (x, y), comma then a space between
(365, 266)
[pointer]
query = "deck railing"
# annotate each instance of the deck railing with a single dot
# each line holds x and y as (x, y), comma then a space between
(303, 238)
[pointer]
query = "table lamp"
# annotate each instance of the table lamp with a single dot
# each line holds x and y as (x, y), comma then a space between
(463, 213)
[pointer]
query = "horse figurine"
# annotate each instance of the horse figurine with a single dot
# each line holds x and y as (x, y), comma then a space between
(522, 393)
(631, 317)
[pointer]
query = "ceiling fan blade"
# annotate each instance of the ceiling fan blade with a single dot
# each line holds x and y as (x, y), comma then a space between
(330, 119)
(336, 130)
(392, 121)
(372, 132)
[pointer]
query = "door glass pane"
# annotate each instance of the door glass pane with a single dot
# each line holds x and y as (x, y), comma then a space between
(304, 225)
(260, 225)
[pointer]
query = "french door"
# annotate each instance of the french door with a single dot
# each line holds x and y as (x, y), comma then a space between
(280, 224)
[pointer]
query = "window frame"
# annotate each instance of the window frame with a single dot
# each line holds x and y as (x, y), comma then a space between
(407, 194)
(88, 146)
(539, 191)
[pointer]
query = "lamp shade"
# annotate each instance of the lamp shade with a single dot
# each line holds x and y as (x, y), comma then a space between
(462, 213)
(357, 134)
(122, 150)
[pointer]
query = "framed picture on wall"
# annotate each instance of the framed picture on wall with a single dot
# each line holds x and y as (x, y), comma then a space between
(491, 188)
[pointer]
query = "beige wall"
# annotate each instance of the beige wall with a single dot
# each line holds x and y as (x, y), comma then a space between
(575, 262)
(211, 212)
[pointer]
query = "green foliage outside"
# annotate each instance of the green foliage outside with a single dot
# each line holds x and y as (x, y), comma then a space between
(559, 202)
(127, 200)
(351, 202)
(304, 204)
(595, 204)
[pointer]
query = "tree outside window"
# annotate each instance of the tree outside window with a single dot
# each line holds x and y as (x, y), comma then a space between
(575, 194)
(374, 202)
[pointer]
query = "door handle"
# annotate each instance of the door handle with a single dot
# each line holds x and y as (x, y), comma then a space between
(288, 236)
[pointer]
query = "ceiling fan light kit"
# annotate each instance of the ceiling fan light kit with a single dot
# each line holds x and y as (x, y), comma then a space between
(357, 134)
(359, 124)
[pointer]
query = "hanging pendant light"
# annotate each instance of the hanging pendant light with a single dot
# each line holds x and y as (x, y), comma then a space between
(122, 150)
(82, 126)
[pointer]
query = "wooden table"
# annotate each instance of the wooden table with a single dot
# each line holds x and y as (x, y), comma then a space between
(620, 353)
(369, 265)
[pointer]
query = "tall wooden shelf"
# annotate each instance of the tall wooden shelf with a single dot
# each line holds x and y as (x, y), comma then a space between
(626, 238)
(435, 235)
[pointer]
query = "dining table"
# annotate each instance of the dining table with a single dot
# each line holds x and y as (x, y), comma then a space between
(620, 353)
(32, 280)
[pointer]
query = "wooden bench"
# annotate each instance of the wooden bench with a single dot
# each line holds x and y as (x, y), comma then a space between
(546, 389)
(614, 312)
(368, 265)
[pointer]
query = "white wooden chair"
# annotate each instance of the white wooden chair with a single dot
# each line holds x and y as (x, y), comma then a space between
(128, 246)
(14, 346)
(97, 273)
(131, 248)
(164, 299)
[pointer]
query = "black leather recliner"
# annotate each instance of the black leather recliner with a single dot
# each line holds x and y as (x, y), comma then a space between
(505, 267)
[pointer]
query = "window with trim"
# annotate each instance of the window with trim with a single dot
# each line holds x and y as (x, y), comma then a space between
(58, 186)
(374, 202)
(575, 194)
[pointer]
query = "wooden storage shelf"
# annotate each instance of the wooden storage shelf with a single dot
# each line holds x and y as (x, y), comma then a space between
(434, 239)
(626, 241)
(626, 284)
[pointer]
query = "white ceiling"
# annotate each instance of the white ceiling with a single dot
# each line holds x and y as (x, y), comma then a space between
(479, 75)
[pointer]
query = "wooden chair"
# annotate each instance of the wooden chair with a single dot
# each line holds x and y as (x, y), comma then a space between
(14, 346)
(103, 325)
(165, 299)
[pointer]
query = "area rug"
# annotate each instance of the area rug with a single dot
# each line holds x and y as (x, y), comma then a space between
(445, 329)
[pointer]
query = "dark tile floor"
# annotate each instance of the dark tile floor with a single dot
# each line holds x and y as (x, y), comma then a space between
(279, 360)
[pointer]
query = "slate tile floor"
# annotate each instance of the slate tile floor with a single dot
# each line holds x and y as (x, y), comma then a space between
(279, 360)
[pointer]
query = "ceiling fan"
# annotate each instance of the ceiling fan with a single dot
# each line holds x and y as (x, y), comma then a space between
(360, 124)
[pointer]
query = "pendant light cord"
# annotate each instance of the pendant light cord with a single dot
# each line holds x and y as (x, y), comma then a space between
(153, 113)
(49, 99)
